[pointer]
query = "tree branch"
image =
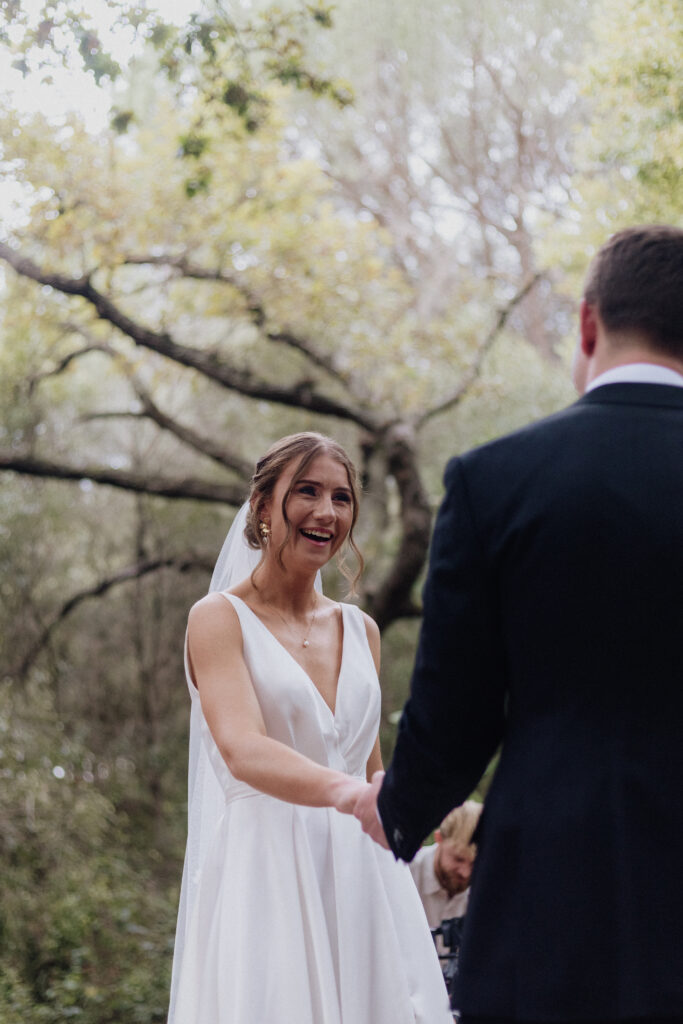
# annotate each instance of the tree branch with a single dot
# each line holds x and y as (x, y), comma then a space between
(195, 490)
(255, 308)
(64, 363)
(474, 369)
(301, 395)
(182, 563)
(204, 445)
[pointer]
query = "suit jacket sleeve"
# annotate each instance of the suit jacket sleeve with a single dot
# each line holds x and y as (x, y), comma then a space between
(453, 721)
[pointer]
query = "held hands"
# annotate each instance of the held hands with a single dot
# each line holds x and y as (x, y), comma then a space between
(346, 792)
(352, 796)
(365, 809)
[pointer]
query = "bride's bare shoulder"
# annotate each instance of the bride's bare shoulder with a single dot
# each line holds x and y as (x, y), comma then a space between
(371, 627)
(374, 638)
(211, 612)
(209, 601)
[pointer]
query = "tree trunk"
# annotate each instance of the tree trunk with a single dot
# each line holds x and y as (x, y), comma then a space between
(393, 599)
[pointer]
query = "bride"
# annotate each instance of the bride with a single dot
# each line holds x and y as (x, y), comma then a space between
(289, 913)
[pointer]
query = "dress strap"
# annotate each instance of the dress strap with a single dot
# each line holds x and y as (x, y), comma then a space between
(354, 625)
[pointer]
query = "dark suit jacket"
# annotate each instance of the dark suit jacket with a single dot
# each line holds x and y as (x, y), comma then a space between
(554, 624)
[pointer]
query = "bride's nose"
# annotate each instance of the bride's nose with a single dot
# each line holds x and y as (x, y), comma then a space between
(324, 508)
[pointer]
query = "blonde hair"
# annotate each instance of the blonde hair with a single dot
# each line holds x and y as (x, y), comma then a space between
(458, 826)
(305, 446)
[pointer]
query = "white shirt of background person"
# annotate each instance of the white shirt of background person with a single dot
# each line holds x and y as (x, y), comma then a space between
(442, 872)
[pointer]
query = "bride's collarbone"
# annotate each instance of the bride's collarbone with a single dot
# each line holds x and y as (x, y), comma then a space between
(317, 646)
(318, 628)
(321, 657)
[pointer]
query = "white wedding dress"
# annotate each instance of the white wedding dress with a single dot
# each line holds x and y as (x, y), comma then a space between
(291, 914)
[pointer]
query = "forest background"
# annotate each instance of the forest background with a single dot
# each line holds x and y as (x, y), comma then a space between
(366, 219)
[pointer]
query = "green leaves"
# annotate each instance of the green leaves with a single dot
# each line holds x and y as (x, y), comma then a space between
(95, 59)
(198, 183)
(120, 120)
(628, 147)
(79, 927)
(232, 63)
(193, 145)
(321, 14)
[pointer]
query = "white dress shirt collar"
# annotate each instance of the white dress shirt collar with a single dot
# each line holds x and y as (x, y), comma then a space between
(637, 373)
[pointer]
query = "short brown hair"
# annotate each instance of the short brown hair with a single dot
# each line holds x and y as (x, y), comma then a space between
(636, 283)
(305, 447)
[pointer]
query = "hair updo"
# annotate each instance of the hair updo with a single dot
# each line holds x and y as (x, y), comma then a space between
(305, 446)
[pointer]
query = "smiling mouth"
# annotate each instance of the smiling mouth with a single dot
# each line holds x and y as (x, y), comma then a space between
(318, 536)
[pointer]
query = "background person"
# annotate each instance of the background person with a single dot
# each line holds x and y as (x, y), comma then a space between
(442, 871)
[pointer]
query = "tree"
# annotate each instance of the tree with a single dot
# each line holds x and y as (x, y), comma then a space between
(638, 125)
(171, 309)
(459, 142)
(180, 289)
(302, 315)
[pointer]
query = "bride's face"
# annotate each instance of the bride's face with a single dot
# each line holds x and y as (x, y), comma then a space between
(319, 510)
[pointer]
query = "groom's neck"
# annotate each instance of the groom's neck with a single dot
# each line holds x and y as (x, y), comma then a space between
(623, 349)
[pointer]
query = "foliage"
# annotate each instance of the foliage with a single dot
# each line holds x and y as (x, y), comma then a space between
(55, 34)
(458, 142)
(225, 55)
(630, 154)
(83, 930)
(635, 78)
(242, 253)
(260, 283)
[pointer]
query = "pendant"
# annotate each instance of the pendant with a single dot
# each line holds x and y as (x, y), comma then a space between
(305, 643)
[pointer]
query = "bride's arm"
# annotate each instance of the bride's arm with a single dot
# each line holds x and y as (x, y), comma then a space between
(233, 715)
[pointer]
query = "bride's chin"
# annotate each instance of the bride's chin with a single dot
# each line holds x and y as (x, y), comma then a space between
(303, 558)
(307, 546)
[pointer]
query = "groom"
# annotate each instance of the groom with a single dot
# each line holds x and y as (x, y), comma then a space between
(553, 626)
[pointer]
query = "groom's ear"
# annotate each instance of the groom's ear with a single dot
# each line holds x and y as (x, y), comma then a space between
(437, 836)
(589, 328)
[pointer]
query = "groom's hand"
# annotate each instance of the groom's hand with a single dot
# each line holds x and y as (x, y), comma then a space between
(365, 809)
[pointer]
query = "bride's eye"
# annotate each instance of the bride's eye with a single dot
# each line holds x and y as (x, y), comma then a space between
(306, 489)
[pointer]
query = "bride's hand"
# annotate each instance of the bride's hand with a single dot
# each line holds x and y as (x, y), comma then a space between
(346, 792)
(366, 810)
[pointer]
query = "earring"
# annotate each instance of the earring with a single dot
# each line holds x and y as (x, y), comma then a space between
(264, 530)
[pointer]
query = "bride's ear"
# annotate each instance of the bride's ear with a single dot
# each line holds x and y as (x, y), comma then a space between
(264, 515)
(260, 517)
(258, 509)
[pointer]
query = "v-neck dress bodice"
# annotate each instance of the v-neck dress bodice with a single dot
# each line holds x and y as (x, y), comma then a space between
(297, 916)
(294, 711)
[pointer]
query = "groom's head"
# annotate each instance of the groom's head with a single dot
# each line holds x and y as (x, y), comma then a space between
(632, 308)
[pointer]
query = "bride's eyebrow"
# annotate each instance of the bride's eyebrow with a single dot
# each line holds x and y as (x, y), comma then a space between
(317, 483)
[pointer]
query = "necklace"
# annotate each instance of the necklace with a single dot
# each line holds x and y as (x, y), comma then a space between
(305, 642)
